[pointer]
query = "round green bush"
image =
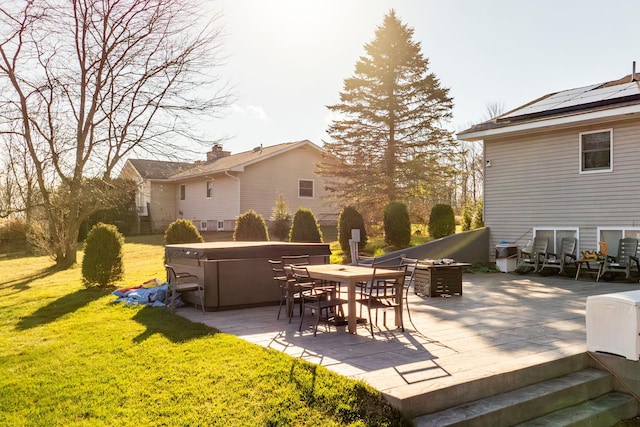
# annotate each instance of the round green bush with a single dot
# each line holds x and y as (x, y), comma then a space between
(397, 226)
(348, 220)
(251, 227)
(442, 221)
(102, 262)
(182, 231)
(305, 228)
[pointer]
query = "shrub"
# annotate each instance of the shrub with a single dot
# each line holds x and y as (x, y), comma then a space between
(478, 218)
(182, 231)
(250, 226)
(102, 262)
(467, 216)
(13, 235)
(397, 226)
(280, 220)
(442, 221)
(305, 227)
(349, 219)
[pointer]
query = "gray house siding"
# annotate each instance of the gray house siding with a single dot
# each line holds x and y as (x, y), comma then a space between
(534, 182)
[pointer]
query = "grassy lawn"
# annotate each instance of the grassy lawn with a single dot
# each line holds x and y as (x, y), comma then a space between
(70, 357)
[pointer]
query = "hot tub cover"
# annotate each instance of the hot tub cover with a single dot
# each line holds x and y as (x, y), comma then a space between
(243, 250)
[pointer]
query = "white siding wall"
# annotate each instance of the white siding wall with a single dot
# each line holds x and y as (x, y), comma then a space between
(534, 181)
(263, 181)
(163, 204)
(221, 207)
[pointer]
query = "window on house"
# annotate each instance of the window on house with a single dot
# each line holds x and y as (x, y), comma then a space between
(596, 151)
(209, 189)
(555, 235)
(220, 225)
(183, 191)
(305, 188)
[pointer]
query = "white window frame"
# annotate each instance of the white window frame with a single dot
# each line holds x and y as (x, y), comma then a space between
(220, 225)
(552, 245)
(209, 185)
(623, 229)
(203, 225)
(582, 170)
(183, 192)
(313, 188)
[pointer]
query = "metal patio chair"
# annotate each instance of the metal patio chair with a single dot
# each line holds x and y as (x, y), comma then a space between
(384, 294)
(318, 298)
(181, 282)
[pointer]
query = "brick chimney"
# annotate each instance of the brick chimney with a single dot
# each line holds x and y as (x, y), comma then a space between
(216, 153)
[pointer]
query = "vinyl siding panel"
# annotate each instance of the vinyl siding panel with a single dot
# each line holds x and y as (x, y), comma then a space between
(222, 206)
(163, 204)
(534, 181)
(263, 181)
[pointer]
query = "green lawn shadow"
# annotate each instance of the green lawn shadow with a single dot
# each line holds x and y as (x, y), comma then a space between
(61, 307)
(159, 320)
(22, 284)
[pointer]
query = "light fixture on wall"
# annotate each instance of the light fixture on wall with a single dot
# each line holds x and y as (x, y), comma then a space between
(180, 212)
(488, 163)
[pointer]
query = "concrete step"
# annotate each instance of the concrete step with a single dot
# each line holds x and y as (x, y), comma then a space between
(604, 411)
(519, 405)
(465, 393)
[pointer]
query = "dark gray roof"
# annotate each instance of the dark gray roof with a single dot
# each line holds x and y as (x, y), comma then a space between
(158, 169)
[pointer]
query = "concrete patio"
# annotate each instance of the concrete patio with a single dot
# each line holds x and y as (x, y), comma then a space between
(501, 323)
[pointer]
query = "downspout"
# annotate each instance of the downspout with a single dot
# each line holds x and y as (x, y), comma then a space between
(238, 181)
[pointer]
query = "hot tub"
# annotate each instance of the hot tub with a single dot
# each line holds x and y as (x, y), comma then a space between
(237, 274)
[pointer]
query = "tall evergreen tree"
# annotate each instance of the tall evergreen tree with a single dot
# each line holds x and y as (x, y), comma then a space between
(389, 139)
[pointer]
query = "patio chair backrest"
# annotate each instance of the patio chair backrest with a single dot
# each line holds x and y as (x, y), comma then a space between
(628, 247)
(411, 264)
(367, 261)
(295, 260)
(567, 246)
(540, 245)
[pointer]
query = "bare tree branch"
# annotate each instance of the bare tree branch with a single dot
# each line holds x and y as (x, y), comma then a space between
(92, 81)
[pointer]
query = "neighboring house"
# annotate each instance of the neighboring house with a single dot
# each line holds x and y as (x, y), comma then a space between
(214, 193)
(566, 164)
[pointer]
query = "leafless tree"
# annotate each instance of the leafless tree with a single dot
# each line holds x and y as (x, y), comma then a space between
(494, 109)
(19, 196)
(92, 81)
(470, 162)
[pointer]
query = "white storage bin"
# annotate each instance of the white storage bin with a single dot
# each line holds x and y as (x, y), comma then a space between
(506, 257)
(613, 324)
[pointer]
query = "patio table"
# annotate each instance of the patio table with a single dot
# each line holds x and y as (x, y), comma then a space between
(581, 269)
(351, 275)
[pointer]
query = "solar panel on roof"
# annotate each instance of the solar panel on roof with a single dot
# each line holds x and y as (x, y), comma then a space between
(629, 90)
(575, 97)
(607, 93)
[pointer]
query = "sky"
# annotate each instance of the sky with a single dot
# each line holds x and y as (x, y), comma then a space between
(286, 60)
